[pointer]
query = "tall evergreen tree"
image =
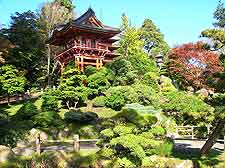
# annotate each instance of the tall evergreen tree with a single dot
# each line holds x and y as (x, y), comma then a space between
(130, 42)
(219, 15)
(29, 47)
(154, 42)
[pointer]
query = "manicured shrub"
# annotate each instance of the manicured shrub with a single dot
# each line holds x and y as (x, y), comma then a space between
(158, 131)
(99, 101)
(50, 100)
(123, 71)
(151, 79)
(190, 107)
(27, 111)
(89, 70)
(147, 95)
(126, 163)
(73, 97)
(99, 82)
(80, 117)
(132, 138)
(118, 96)
(115, 100)
(47, 119)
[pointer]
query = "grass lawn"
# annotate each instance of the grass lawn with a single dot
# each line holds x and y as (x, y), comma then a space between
(13, 108)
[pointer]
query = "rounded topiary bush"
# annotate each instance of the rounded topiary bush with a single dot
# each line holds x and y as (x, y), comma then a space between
(88, 131)
(99, 101)
(26, 111)
(81, 117)
(89, 70)
(47, 119)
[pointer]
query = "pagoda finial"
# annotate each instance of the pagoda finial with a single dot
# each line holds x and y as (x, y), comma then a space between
(90, 9)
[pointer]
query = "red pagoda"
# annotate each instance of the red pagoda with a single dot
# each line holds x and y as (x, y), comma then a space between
(86, 41)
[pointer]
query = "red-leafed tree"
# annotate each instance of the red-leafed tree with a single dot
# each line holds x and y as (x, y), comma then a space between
(193, 65)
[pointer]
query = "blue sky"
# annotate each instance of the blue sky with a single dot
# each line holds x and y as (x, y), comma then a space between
(181, 21)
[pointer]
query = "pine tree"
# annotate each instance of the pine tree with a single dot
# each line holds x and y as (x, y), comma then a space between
(153, 39)
(219, 15)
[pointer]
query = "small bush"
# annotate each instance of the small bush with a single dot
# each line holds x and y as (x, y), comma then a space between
(99, 101)
(158, 131)
(27, 111)
(47, 119)
(88, 131)
(81, 117)
(151, 79)
(115, 100)
(117, 97)
(125, 163)
(164, 149)
(98, 82)
(50, 100)
(89, 70)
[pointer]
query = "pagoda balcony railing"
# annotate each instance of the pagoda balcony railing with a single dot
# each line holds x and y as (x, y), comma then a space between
(99, 48)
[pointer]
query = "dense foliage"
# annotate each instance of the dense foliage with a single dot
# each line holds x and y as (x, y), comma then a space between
(11, 81)
(128, 104)
(153, 39)
(28, 53)
(192, 65)
(133, 137)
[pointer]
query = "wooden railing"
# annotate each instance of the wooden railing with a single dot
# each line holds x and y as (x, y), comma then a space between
(75, 141)
(187, 132)
(20, 97)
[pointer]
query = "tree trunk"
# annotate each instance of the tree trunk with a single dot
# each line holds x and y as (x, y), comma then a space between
(49, 61)
(212, 137)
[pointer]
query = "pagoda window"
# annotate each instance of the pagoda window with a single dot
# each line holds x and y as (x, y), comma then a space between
(93, 44)
(83, 42)
(78, 42)
(89, 43)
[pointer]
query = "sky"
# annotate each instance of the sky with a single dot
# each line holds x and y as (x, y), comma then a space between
(181, 21)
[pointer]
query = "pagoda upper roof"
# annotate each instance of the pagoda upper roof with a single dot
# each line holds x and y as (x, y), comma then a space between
(86, 22)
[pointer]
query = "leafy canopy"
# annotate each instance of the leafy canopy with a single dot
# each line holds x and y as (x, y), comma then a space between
(11, 80)
(193, 65)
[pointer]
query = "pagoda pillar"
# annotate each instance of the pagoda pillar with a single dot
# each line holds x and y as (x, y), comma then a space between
(62, 68)
(97, 63)
(101, 64)
(82, 64)
(78, 62)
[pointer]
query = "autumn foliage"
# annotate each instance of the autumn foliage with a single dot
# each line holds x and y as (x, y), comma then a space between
(191, 64)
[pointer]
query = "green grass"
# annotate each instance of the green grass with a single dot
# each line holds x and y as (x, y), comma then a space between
(102, 112)
(13, 108)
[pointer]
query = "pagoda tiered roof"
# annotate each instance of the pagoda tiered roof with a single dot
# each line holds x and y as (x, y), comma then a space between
(87, 23)
(85, 40)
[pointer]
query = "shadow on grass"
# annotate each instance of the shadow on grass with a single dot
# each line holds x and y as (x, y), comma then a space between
(185, 152)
